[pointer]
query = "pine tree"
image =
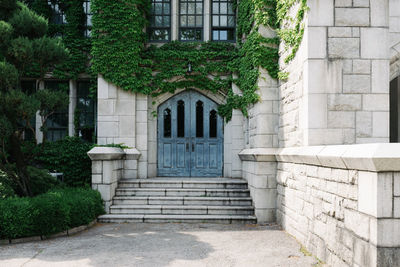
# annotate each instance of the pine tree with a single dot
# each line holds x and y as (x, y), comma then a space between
(23, 45)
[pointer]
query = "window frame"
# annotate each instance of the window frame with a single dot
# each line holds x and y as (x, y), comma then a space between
(180, 27)
(151, 16)
(212, 14)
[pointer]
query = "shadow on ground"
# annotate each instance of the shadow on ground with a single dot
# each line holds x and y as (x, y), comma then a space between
(162, 245)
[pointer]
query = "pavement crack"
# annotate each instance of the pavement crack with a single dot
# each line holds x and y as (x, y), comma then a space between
(34, 256)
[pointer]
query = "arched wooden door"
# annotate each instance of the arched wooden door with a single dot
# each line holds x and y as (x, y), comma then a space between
(190, 136)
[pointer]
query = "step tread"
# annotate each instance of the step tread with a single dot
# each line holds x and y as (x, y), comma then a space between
(119, 206)
(183, 189)
(179, 217)
(184, 180)
(179, 198)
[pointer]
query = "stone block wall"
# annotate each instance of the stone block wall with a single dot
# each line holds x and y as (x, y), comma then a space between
(342, 203)
(259, 170)
(338, 87)
(394, 38)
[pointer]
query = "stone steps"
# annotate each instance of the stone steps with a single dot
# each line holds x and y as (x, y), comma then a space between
(182, 192)
(160, 218)
(181, 200)
(207, 201)
(181, 209)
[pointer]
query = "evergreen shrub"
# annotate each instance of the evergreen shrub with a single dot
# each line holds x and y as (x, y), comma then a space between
(49, 213)
(68, 156)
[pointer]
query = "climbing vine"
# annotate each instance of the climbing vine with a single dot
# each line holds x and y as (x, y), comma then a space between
(121, 55)
(72, 34)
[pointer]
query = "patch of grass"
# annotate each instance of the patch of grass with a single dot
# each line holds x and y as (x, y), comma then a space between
(306, 253)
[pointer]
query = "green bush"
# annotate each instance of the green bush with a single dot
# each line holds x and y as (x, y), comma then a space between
(41, 180)
(49, 213)
(6, 189)
(68, 156)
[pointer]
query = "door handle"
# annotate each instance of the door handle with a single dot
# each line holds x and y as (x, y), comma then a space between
(187, 147)
(192, 147)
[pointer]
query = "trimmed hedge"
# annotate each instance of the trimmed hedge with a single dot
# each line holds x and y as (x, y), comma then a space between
(49, 213)
(68, 156)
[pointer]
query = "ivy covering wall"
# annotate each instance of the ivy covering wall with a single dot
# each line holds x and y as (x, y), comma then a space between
(72, 34)
(121, 55)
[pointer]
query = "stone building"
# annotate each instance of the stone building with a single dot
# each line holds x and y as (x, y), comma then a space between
(314, 152)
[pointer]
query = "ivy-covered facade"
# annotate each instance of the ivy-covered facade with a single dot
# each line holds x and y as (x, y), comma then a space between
(71, 21)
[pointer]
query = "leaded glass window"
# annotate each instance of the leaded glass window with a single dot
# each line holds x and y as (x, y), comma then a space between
(160, 21)
(85, 107)
(58, 14)
(190, 20)
(57, 123)
(223, 20)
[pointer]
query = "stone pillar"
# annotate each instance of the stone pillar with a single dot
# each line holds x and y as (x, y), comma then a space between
(72, 107)
(107, 167)
(142, 133)
(259, 170)
(116, 115)
(130, 170)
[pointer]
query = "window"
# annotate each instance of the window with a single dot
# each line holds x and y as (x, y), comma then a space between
(167, 123)
(85, 107)
(190, 20)
(199, 119)
(223, 20)
(160, 21)
(58, 15)
(57, 124)
(181, 119)
(29, 87)
(213, 124)
(88, 21)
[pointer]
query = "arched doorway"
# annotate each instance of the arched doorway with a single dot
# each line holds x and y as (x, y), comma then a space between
(189, 136)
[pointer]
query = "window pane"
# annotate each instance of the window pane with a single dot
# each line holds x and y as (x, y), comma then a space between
(215, 35)
(231, 35)
(181, 119)
(199, 119)
(158, 8)
(191, 21)
(223, 21)
(213, 124)
(184, 21)
(199, 8)
(191, 8)
(167, 123)
(183, 8)
(215, 21)
(166, 8)
(223, 8)
(158, 21)
(223, 35)
(230, 9)
(231, 21)
(190, 34)
(215, 9)
(199, 20)
(166, 21)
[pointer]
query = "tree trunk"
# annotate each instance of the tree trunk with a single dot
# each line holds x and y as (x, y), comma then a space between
(21, 165)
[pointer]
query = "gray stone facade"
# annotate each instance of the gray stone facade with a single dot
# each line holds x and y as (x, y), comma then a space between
(303, 149)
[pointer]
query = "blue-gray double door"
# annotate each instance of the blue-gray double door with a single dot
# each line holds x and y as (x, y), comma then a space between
(190, 136)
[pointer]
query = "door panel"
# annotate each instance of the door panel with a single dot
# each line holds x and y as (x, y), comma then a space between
(190, 136)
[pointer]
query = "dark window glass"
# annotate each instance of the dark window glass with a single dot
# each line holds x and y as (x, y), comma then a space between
(58, 16)
(88, 20)
(85, 107)
(191, 20)
(199, 119)
(213, 124)
(181, 119)
(57, 124)
(167, 123)
(223, 20)
(160, 20)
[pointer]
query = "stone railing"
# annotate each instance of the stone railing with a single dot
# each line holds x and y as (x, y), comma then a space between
(341, 202)
(109, 165)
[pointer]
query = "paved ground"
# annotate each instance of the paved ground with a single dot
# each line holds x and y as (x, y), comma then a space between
(162, 245)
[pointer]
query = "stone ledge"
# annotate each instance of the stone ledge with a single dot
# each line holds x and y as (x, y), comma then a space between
(106, 153)
(379, 157)
(132, 154)
(259, 154)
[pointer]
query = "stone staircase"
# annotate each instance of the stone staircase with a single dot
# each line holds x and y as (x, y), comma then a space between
(219, 200)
